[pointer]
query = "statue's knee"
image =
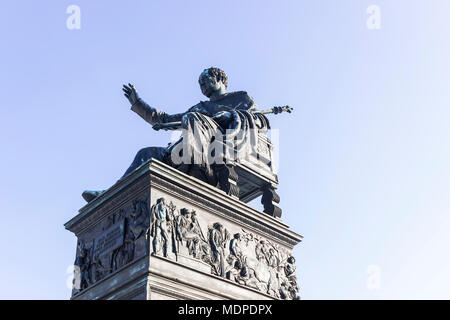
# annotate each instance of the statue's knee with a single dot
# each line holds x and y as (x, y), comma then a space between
(142, 155)
(141, 152)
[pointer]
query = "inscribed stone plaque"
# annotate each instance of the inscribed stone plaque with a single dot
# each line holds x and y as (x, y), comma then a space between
(110, 239)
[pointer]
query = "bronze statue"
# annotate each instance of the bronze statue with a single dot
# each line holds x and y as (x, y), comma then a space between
(215, 134)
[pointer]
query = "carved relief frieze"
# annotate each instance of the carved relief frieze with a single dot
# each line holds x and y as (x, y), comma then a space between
(121, 241)
(164, 230)
(244, 258)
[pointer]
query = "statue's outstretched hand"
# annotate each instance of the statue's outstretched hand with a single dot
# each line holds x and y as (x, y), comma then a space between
(130, 93)
(157, 126)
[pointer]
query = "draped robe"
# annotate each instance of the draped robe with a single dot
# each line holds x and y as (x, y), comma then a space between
(231, 118)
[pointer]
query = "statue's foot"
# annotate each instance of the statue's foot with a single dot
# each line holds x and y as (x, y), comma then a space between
(90, 195)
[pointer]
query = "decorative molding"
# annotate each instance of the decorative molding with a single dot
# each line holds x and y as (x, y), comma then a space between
(87, 220)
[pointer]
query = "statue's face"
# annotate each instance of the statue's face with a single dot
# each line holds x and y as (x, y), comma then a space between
(209, 84)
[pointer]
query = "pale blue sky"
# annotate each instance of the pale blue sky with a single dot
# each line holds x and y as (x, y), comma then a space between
(364, 159)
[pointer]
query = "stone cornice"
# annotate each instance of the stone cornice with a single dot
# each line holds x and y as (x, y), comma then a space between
(158, 175)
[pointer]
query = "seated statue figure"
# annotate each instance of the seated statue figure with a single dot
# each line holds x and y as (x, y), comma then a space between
(231, 117)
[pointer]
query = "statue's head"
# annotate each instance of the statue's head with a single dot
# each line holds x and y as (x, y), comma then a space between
(185, 212)
(217, 226)
(213, 80)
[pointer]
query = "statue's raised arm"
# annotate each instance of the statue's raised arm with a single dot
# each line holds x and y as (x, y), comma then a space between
(130, 93)
(151, 115)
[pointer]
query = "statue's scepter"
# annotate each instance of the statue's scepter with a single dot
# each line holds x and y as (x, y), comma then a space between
(277, 110)
(176, 125)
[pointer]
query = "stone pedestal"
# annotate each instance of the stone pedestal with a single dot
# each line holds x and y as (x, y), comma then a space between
(161, 234)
